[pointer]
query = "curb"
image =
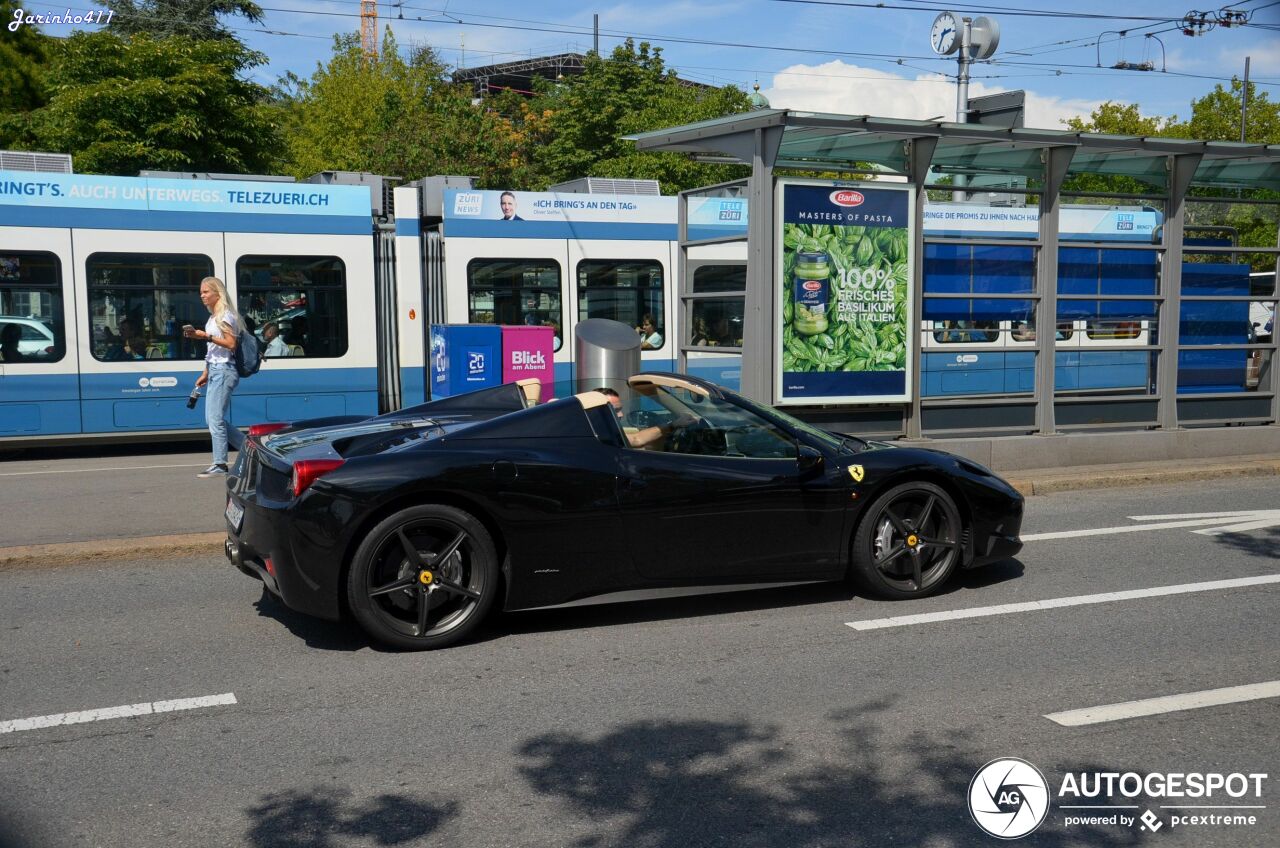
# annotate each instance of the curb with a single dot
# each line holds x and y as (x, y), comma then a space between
(1114, 478)
(146, 547)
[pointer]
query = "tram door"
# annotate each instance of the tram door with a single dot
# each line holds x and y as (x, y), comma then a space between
(310, 299)
(39, 392)
(629, 281)
(135, 291)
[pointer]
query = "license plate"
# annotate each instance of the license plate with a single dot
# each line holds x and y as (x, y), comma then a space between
(235, 514)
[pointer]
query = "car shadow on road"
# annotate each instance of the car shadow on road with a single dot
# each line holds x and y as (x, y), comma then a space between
(319, 633)
(1265, 544)
(666, 609)
(746, 600)
(987, 575)
(324, 817)
(674, 784)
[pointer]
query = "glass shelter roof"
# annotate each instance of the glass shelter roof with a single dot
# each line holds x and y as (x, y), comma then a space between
(820, 141)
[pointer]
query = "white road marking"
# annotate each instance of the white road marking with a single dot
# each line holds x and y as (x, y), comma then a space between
(1166, 704)
(1238, 521)
(86, 470)
(1054, 603)
(126, 711)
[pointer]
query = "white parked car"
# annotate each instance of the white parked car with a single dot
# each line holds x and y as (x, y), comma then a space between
(36, 342)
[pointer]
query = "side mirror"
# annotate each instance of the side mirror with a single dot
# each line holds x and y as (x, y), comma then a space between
(809, 459)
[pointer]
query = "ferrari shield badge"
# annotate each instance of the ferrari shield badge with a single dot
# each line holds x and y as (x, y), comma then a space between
(856, 472)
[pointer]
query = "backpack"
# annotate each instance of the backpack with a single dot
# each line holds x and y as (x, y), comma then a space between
(248, 354)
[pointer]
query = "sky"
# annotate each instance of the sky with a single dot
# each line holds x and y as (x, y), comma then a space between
(841, 56)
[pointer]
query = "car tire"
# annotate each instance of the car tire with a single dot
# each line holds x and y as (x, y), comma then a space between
(423, 578)
(883, 560)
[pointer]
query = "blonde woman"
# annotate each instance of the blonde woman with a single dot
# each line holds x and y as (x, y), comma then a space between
(219, 370)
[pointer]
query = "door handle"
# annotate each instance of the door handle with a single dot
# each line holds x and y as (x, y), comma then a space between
(635, 483)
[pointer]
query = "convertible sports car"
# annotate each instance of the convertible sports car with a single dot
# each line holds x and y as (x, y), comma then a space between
(417, 522)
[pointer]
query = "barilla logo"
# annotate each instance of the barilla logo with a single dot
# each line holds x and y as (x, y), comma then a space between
(847, 197)
(812, 285)
(528, 359)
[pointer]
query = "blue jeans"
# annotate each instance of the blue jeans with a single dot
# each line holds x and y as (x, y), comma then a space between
(223, 380)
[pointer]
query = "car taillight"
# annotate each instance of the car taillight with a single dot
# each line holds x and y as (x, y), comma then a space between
(266, 429)
(307, 471)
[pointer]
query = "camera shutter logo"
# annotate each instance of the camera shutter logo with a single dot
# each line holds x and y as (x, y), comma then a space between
(1008, 798)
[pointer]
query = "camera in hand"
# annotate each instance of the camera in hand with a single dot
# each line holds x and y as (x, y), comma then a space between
(193, 397)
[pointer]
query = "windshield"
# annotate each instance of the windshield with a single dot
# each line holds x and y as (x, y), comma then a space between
(824, 437)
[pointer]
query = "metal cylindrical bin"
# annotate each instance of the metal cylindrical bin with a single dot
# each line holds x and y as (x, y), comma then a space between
(605, 353)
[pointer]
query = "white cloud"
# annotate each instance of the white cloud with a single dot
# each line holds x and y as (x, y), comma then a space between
(852, 90)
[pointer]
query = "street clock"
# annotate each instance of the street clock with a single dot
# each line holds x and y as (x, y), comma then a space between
(945, 36)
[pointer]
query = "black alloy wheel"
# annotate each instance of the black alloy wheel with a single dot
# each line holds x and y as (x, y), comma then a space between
(423, 578)
(908, 543)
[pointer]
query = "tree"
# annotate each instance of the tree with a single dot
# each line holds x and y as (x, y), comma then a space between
(22, 53)
(196, 19)
(631, 91)
(1216, 116)
(394, 117)
(122, 105)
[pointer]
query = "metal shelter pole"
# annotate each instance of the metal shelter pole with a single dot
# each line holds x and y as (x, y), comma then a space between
(1056, 161)
(919, 157)
(1181, 170)
(761, 306)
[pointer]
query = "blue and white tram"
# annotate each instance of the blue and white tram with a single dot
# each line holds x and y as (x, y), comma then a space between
(537, 258)
(111, 267)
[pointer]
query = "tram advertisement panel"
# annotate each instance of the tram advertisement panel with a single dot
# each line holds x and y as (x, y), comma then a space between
(843, 270)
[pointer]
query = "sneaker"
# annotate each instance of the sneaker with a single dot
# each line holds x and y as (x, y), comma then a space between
(214, 470)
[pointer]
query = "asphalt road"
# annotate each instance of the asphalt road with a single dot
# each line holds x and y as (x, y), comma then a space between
(755, 719)
(107, 492)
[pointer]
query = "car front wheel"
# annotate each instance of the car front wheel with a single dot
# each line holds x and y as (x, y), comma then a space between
(423, 578)
(908, 543)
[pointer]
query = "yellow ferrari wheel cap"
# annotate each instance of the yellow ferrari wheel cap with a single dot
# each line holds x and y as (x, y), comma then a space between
(856, 472)
(912, 541)
(425, 578)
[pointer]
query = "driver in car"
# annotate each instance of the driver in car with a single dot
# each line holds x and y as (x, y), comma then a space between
(647, 438)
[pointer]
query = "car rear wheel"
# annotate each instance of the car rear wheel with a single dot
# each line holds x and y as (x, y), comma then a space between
(423, 578)
(908, 543)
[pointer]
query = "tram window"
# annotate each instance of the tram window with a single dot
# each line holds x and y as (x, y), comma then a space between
(1113, 330)
(719, 278)
(300, 301)
(966, 332)
(32, 323)
(1025, 331)
(515, 291)
(622, 290)
(138, 303)
(717, 322)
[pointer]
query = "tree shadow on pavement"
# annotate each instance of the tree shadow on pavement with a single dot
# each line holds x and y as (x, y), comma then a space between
(324, 818)
(679, 784)
(1265, 544)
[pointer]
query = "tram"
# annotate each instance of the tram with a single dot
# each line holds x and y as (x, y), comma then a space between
(98, 275)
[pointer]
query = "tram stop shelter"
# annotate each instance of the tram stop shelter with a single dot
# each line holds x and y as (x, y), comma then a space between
(1167, 347)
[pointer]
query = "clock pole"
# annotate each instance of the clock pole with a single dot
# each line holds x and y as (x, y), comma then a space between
(962, 89)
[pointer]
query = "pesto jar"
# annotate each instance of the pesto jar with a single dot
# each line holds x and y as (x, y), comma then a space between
(811, 292)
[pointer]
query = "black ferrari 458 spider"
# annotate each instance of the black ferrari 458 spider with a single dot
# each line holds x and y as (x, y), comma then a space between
(418, 522)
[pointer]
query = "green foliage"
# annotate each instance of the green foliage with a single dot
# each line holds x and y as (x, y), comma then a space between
(22, 54)
(196, 19)
(122, 105)
(630, 91)
(391, 116)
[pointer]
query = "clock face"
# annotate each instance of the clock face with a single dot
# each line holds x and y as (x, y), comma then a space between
(943, 36)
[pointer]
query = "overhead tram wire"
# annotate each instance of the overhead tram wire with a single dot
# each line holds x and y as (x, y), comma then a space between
(1013, 12)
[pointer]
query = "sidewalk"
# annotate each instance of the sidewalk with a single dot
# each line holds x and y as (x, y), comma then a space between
(1033, 482)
